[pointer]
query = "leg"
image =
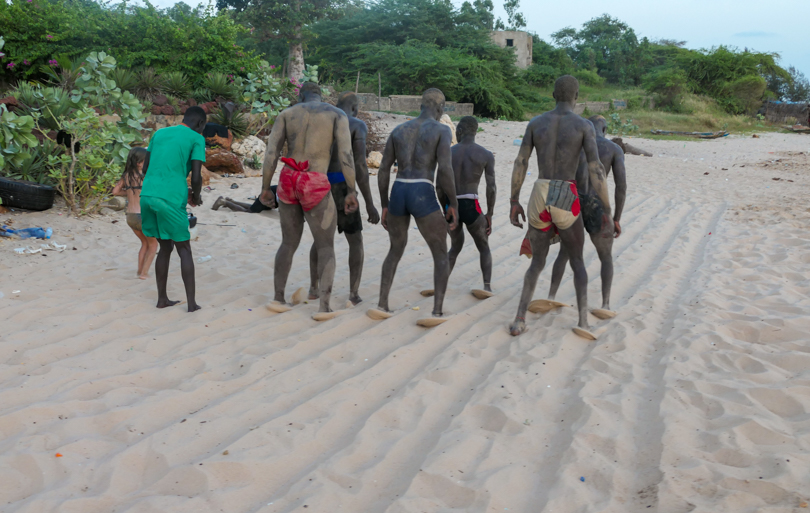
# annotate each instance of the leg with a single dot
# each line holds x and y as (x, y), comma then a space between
(604, 248)
(540, 243)
(572, 240)
(237, 206)
(398, 236)
(162, 272)
(478, 231)
(187, 271)
(557, 272)
(313, 273)
(141, 252)
(292, 226)
(456, 244)
(322, 221)
(151, 249)
(433, 228)
(356, 258)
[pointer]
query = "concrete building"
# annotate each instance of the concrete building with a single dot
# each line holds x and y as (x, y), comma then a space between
(520, 41)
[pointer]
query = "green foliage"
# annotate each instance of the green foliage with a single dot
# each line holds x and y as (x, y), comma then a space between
(33, 166)
(514, 19)
(669, 85)
(220, 85)
(46, 104)
(176, 83)
(237, 123)
(125, 79)
(588, 77)
(264, 93)
(16, 138)
(540, 75)
(62, 71)
(149, 84)
(618, 127)
(96, 88)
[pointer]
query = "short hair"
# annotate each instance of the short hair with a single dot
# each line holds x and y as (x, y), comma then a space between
(598, 121)
(347, 100)
(432, 98)
(467, 125)
(566, 88)
(310, 88)
(195, 116)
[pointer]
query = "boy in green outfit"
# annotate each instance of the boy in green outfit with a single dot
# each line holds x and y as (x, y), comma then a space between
(173, 153)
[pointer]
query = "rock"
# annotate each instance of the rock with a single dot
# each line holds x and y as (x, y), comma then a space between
(206, 176)
(155, 110)
(220, 160)
(222, 142)
(106, 211)
(374, 159)
(191, 102)
(249, 146)
(116, 203)
(183, 109)
(167, 110)
(209, 107)
(10, 102)
(160, 100)
(445, 120)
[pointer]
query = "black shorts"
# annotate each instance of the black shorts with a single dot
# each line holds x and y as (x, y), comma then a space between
(258, 206)
(348, 223)
(592, 212)
(468, 211)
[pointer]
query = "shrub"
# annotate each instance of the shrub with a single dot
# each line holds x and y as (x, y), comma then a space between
(220, 85)
(149, 84)
(589, 78)
(176, 83)
(236, 123)
(15, 137)
(668, 86)
(46, 104)
(540, 75)
(33, 166)
(125, 80)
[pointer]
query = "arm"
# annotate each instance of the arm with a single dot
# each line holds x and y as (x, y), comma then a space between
(596, 172)
(583, 187)
(489, 176)
(274, 145)
(384, 177)
(519, 170)
(343, 138)
(118, 190)
(361, 173)
(196, 182)
(445, 178)
(620, 177)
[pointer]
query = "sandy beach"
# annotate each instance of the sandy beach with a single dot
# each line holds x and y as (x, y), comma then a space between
(696, 397)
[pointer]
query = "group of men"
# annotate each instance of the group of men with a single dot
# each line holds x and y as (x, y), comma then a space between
(437, 185)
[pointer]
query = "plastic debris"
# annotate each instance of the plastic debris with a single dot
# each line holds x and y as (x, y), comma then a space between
(58, 455)
(582, 479)
(204, 259)
(517, 142)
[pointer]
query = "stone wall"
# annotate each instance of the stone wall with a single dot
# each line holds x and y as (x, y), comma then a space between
(408, 103)
(517, 39)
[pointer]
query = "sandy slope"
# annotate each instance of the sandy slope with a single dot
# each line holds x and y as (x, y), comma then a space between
(696, 397)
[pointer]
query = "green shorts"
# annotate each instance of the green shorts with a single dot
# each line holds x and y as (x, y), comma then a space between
(164, 221)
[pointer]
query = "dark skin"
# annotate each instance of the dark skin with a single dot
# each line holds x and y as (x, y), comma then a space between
(612, 158)
(470, 162)
(358, 131)
(183, 247)
(558, 137)
(309, 128)
(418, 146)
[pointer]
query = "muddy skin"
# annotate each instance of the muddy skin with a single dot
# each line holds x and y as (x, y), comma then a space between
(418, 146)
(236, 206)
(558, 137)
(348, 103)
(470, 162)
(309, 128)
(612, 158)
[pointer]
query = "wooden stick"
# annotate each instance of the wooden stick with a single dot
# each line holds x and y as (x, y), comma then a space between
(357, 85)
(379, 89)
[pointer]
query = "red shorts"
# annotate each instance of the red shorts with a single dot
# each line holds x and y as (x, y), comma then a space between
(298, 186)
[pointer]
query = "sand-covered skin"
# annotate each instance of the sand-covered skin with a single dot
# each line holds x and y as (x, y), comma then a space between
(696, 397)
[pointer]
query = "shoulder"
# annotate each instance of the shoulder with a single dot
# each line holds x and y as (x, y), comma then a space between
(358, 126)
(609, 146)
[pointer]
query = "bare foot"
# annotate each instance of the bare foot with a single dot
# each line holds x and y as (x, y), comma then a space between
(313, 294)
(165, 303)
(437, 314)
(143, 277)
(355, 299)
(218, 203)
(517, 327)
(194, 307)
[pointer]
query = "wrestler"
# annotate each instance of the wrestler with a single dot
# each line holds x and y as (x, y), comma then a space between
(309, 128)
(470, 162)
(558, 136)
(418, 146)
(350, 224)
(612, 158)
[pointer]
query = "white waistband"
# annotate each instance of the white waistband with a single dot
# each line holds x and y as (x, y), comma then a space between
(414, 180)
(467, 196)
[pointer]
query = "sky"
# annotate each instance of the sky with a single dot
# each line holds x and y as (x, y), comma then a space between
(773, 26)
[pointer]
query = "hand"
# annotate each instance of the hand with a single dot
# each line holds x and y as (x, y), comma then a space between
(515, 214)
(196, 200)
(351, 204)
(618, 229)
(268, 199)
(373, 215)
(489, 224)
(384, 220)
(452, 218)
(608, 228)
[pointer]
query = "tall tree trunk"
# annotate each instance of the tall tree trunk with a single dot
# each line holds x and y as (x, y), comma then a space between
(295, 68)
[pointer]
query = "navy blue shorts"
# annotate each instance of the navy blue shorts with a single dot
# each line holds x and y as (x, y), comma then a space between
(415, 199)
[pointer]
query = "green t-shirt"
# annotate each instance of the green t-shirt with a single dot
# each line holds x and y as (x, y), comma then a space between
(171, 151)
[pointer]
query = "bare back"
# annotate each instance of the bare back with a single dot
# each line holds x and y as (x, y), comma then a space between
(357, 128)
(309, 130)
(417, 145)
(558, 139)
(469, 163)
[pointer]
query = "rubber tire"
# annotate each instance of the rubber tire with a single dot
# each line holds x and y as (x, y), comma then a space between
(26, 195)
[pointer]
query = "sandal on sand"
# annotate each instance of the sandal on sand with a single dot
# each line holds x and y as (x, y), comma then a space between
(481, 294)
(587, 335)
(428, 292)
(277, 307)
(603, 314)
(378, 315)
(431, 322)
(544, 305)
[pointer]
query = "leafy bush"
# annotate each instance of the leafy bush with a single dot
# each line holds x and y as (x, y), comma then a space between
(46, 104)
(669, 86)
(220, 85)
(63, 71)
(618, 127)
(33, 166)
(589, 78)
(236, 123)
(541, 75)
(176, 83)
(149, 84)
(125, 80)
(15, 137)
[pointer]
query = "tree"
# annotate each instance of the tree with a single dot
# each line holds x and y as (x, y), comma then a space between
(284, 19)
(794, 88)
(479, 14)
(514, 19)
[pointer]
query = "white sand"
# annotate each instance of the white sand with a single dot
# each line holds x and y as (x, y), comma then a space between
(695, 397)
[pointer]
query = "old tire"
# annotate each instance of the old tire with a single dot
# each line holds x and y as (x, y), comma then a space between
(26, 195)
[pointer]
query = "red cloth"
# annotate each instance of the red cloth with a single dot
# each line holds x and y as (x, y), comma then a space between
(526, 247)
(545, 216)
(478, 207)
(297, 186)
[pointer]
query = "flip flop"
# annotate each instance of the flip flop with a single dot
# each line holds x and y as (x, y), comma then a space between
(587, 335)
(277, 307)
(603, 314)
(378, 315)
(545, 305)
(431, 322)
(481, 294)
(325, 316)
(298, 296)
(428, 292)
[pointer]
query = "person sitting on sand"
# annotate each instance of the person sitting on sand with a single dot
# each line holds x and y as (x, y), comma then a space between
(174, 152)
(240, 206)
(130, 186)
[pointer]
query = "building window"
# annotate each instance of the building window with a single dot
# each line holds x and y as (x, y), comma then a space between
(510, 42)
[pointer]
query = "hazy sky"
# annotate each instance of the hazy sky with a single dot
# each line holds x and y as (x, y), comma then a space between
(772, 26)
